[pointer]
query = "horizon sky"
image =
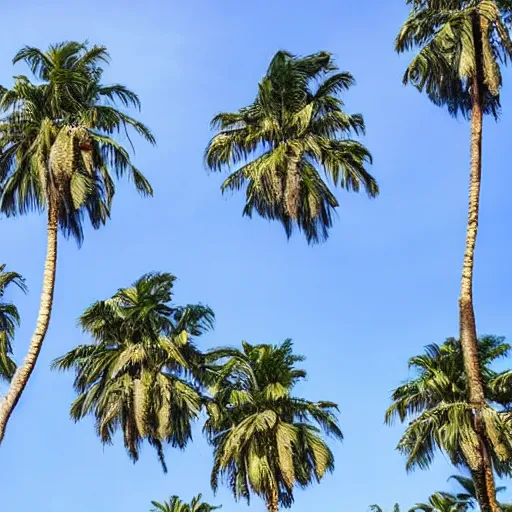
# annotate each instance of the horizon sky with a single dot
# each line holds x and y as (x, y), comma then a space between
(384, 285)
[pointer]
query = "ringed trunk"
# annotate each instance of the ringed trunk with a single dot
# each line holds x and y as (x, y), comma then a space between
(273, 501)
(23, 373)
(468, 332)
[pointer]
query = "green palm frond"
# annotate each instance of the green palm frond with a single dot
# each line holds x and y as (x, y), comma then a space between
(280, 144)
(9, 320)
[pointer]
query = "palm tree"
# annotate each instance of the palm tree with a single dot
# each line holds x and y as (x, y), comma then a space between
(443, 502)
(57, 153)
(462, 44)
(177, 505)
(143, 373)
(377, 508)
(265, 440)
(9, 320)
(435, 402)
(293, 129)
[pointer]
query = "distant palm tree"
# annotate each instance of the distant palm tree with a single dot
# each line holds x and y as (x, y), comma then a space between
(9, 320)
(176, 505)
(462, 46)
(143, 375)
(443, 502)
(377, 508)
(440, 417)
(265, 440)
(469, 492)
(57, 153)
(295, 128)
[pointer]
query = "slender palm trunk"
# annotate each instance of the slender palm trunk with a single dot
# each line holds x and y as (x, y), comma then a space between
(273, 501)
(292, 186)
(468, 332)
(23, 373)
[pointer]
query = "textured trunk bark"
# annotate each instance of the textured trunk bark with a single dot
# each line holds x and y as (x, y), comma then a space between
(273, 502)
(23, 373)
(292, 186)
(478, 477)
(468, 332)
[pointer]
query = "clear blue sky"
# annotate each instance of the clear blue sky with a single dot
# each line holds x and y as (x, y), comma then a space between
(383, 286)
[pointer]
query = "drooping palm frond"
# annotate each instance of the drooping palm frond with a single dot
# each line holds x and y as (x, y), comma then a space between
(280, 144)
(443, 502)
(265, 440)
(144, 374)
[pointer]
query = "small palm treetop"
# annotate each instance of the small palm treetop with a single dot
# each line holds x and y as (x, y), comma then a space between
(295, 127)
(177, 505)
(9, 320)
(143, 375)
(443, 502)
(446, 63)
(266, 440)
(56, 137)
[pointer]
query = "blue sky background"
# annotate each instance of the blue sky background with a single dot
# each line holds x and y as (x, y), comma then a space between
(383, 286)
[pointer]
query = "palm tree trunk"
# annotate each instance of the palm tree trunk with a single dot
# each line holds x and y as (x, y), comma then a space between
(292, 186)
(23, 373)
(273, 501)
(468, 333)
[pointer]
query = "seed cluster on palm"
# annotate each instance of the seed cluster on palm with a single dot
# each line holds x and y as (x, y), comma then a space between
(295, 129)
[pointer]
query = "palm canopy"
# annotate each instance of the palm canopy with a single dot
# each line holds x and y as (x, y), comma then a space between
(295, 127)
(175, 504)
(378, 508)
(443, 502)
(469, 492)
(143, 373)
(57, 137)
(9, 320)
(458, 40)
(440, 417)
(266, 440)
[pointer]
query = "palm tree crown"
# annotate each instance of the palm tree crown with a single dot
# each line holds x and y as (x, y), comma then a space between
(56, 137)
(9, 320)
(453, 36)
(435, 401)
(143, 373)
(177, 505)
(295, 126)
(264, 439)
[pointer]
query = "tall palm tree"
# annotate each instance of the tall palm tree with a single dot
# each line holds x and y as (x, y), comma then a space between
(177, 505)
(143, 374)
(435, 402)
(462, 44)
(443, 502)
(57, 154)
(295, 129)
(265, 439)
(9, 320)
